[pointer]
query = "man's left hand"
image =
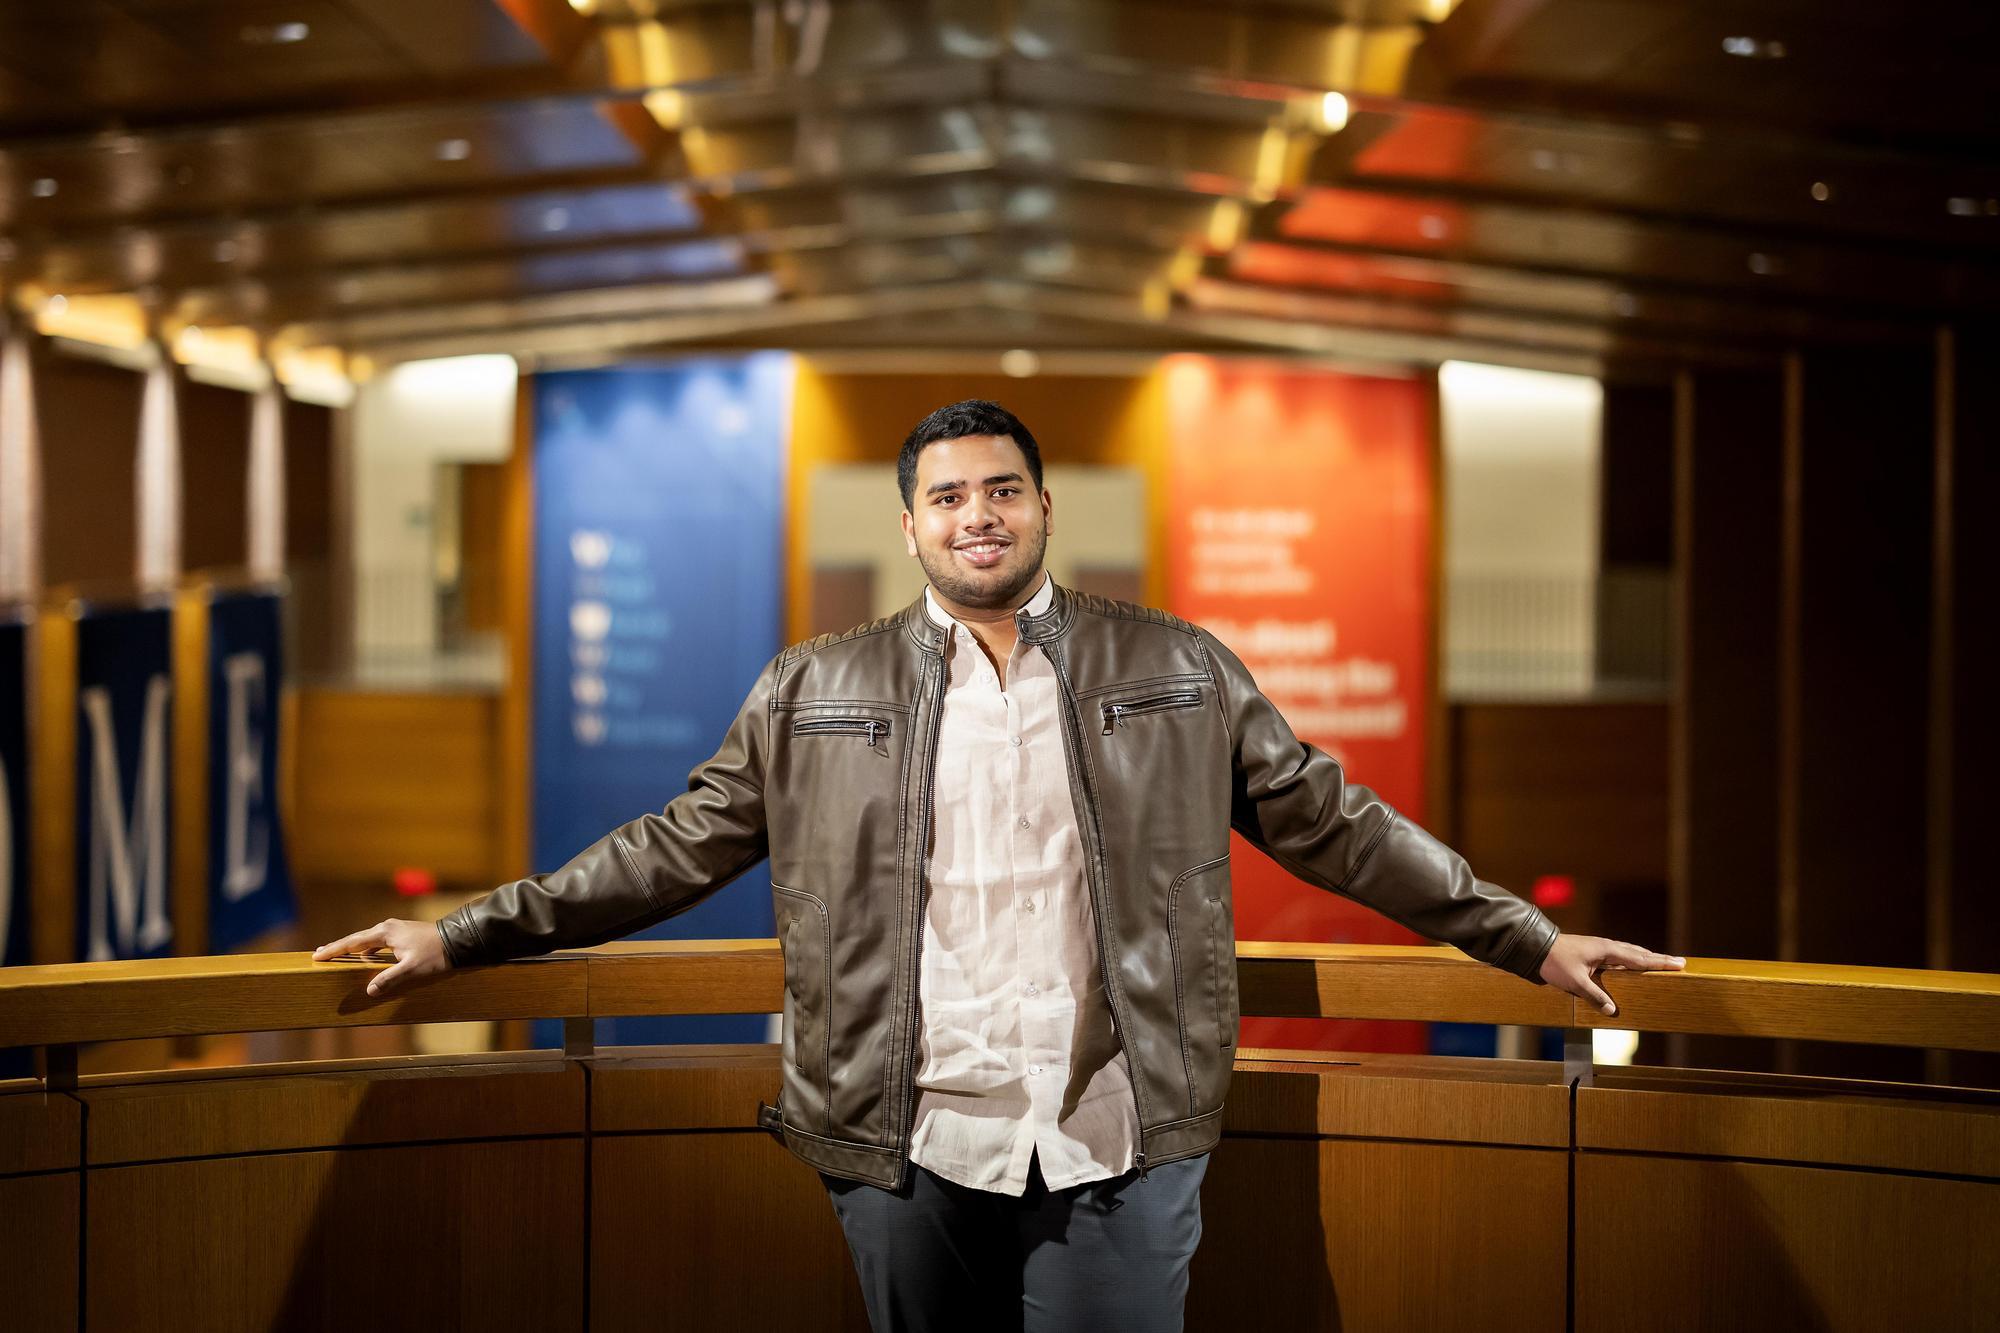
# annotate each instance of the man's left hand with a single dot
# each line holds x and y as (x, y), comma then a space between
(1574, 960)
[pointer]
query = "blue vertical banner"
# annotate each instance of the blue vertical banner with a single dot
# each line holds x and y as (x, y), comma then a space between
(124, 784)
(249, 878)
(658, 504)
(15, 893)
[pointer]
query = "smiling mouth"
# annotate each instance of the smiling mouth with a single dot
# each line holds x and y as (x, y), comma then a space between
(983, 553)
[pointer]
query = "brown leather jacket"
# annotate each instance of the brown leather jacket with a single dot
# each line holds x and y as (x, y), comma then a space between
(827, 770)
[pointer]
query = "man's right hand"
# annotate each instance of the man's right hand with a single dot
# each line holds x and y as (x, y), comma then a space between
(416, 945)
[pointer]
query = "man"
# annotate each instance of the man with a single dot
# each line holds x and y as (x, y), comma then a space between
(998, 825)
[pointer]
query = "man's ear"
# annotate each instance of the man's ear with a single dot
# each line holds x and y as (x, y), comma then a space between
(909, 533)
(1048, 513)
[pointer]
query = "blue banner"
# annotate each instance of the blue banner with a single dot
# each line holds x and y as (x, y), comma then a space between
(658, 576)
(124, 784)
(249, 879)
(15, 892)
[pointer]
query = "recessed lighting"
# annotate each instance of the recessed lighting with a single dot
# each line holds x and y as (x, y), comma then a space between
(1753, 48)
(192, 333)
(454, 150)
(1433, 226)
(275, 34)
(1822, 191)
(1961, 207)
(1547, 159)
(1626, 304)
(1020, 363)
(1333, 113)
(58, 304)
(555, 219)
(225, 251)
(43, 187)
(1764, 265)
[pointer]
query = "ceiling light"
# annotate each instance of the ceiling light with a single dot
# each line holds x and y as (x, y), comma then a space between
(1019, 363)
(58, 304)
(43, 187)
(1333, 113)
(1752, 48)
(454, 150)
(225, 251)
(1626, 304)
(1432, 226)
(276, 34)
(1822, 191)
(1764, 265)
(555, 219)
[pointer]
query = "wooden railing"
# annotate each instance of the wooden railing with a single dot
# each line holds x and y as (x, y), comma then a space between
(629, 1187)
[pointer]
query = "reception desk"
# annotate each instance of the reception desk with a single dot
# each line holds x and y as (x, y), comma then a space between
(629, 1188)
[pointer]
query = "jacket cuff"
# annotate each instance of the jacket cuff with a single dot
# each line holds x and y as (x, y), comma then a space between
(1524, 957)
(461, 943)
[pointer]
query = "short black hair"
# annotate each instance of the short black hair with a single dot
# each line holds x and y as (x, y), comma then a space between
(974, 416)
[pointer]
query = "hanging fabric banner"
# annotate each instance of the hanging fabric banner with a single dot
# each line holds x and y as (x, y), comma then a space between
(15, 890)
(124, 794)
(1301, 522)
(658, 492)
(249, 878)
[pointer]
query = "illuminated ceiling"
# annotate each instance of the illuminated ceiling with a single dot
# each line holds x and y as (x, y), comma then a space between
(1586, 184)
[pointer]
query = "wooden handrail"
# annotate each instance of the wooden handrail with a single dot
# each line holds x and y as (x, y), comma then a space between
(84, 1002)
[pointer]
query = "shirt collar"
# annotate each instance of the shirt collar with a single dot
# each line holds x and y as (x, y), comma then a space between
(1036, 605)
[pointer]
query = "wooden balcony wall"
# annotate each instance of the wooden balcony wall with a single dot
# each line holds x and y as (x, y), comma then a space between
(629, 1189)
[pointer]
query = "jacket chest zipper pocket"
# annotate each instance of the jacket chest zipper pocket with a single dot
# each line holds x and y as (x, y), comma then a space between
(872, 728)
(1115, 713)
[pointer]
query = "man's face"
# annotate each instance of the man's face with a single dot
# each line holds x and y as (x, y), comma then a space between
(977, 524)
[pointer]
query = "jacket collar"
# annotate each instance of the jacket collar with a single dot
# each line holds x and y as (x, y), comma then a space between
(1050, 624)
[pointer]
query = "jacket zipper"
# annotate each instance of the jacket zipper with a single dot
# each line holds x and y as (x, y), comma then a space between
(1073, 728)
(1152, 703)
(917, 932)
(849, 726)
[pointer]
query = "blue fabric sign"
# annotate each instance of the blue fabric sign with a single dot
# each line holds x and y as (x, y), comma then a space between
(249, 879)
(658, 501)
(124, 784)
(15, 896)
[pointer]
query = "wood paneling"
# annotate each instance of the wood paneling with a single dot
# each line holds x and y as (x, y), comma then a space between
(148, 1120)
(1573, 789)
(39, 1230)
(458, 1236)
(89, 419)
(1676, 1244)
(39, 1131)
(1328, 1234)
(1723, 891)
(1860, 759)
(215, 476)
(1827, 1122)
(389, 780)
(710, 1231)
(1520, 1103)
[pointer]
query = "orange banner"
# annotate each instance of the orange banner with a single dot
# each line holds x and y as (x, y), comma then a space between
(1301, 519)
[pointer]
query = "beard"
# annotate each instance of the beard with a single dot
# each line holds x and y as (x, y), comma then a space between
(992, 589)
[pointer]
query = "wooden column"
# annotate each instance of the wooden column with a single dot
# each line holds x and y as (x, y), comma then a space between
(1857, 759)
(1723, 831)
(1964, 915)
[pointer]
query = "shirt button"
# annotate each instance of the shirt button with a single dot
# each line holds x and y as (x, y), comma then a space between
(1024, 821)
(1017, 740)
(1034, 1069)
(1031, 904)
(1031, 989)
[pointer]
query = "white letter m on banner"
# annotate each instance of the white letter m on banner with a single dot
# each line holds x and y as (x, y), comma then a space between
(122, 848)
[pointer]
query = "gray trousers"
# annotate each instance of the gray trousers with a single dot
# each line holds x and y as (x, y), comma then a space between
(1105, 1255)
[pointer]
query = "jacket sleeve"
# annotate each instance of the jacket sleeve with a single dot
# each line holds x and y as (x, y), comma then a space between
(651, 868)
(1294, 802)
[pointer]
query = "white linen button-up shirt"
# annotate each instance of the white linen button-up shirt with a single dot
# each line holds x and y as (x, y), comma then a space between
(1019, 1054)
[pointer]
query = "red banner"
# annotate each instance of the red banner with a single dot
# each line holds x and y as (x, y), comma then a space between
(1301, 521)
